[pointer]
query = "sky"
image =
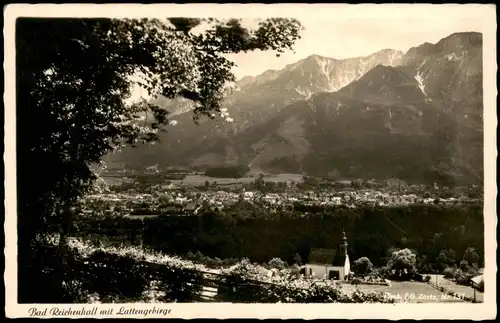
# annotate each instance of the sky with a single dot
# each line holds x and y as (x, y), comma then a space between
(336, 30)
(340, 37)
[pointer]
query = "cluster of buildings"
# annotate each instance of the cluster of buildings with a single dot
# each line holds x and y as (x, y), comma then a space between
(189, 202)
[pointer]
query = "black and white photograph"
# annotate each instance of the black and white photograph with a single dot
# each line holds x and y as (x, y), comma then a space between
(223, 155)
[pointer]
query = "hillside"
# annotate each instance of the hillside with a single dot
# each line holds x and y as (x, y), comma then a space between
(416, 116)
(256, 100)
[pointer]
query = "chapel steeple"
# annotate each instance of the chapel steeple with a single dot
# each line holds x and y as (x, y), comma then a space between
(343, 245)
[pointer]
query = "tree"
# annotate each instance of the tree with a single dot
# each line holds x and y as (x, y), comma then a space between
(74, 77)
(217, 262)
(298, 259)
(295, 271)
(461, 277)
(363, 266)
(198, 256)
(446, 258)
(422, 262)
(403, 262)
(384, 272)
(464, 266)
(277, 263)
(471, 256)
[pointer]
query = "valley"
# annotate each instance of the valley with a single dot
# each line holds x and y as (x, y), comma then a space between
(414, 115)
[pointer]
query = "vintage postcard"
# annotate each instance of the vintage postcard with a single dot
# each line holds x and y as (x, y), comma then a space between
(250, 161)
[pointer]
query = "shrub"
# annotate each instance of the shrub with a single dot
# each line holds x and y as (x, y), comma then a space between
(449, 272)
(203, 260)
(471, 255)
(403, 262)
(446, 257)
(295, 271)
(464, 265)
(297, 259)
(384, 272)
(114, 276)
(355, 281)
(45, 268)
(198, 256)
(229, 262)
(217, 262)
(428, 268)
(277, 263)
(427, 278)
(461, 277)
(209, 262)
(363, 266)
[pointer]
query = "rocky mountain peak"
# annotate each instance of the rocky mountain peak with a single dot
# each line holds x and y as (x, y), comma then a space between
(415, 116)
(461, 40)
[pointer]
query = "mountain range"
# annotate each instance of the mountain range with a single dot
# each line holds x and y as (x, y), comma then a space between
(416, 116)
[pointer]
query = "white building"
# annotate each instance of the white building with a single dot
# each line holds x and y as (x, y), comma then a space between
(476, 281)
(329, 262)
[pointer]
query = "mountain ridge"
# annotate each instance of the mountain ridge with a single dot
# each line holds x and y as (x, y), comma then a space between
(391, 108)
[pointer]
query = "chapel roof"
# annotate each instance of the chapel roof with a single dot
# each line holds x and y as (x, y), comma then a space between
(331, 257)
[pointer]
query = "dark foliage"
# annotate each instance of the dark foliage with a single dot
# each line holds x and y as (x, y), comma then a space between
(72, 80)
(262, 236)
(227, 172)
(116, 278)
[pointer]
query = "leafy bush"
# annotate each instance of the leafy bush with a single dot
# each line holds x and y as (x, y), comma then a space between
(461, 277)
(229, 262)
(295, 271)
(384, 272)
(464, 265)
(403, 262)
(429, 268)
(204, 260)
(355, 281)
(322, 293)
(217, 262)
(199, 256)
(190, 255)
(212, 262)
(471, 256)
(54, 271)
(178, 284)
(446, 258)
(298, 259)
(363, 266)
(449, 272)
(277, 263)
(111, 275)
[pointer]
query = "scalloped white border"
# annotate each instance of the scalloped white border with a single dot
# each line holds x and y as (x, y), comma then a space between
(487, 15)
